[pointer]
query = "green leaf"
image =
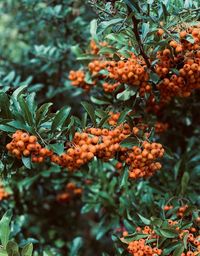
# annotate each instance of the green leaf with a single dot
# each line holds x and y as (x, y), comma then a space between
(3, 252)
(18, 91)
(76, 245)
(90, 110)
(179, 250)
(190, 39)
(184, 182)
(107, 50)
(10, 77)
(41, 112)
(122, 116)
(98, 101)
(12, 249)
(106, 24)
(93, 28)
(134, 6)
(7, 128)
(5, 228)
(124, 180)
(60, 118)
(144, 220)
(168, 233)
(154, 77)
(145, 30)
(129, 142)
(26, 111)
(5, 106)
(27, 162)
(177, 168)
(58, 148)
(87, 208)
(126, 94)
(27, 250)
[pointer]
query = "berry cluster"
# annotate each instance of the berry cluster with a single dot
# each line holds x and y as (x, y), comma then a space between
(142, 160)
(102, 143)
(23, 144)
(71, 192)
(177, 66)
(108, 87)
(112, 121)
(179, 212)
(78, 80)
(131, 71)
(147, 246)
(192, 238)
(140, 248)
(3, 193)
(161, 127)
(185, 58)
(94, 47)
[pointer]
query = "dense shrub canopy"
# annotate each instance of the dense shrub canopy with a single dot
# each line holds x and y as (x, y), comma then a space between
(99, 127)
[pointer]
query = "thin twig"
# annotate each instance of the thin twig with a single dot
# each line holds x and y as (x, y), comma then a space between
(138, 38)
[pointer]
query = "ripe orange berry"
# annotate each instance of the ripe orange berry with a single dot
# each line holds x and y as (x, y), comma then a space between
(32, 139)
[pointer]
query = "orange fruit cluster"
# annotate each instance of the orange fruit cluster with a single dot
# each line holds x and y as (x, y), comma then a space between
(71, 191)
(185, 58)
(113, 118)
(3, 193)
(110, 87)
(180, 212)
(142, 160)
(161, 127)
(102, 143)
(94, 47)
(131, 71)
(140, 248)
(177, 66)
(146, 246)
(193, 238)
(23, 144)
(78, 79)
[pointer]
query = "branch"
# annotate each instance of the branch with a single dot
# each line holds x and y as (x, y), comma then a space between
(137, 36)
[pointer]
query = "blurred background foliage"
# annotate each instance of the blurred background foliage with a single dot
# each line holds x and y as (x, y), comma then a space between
(36, 45)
